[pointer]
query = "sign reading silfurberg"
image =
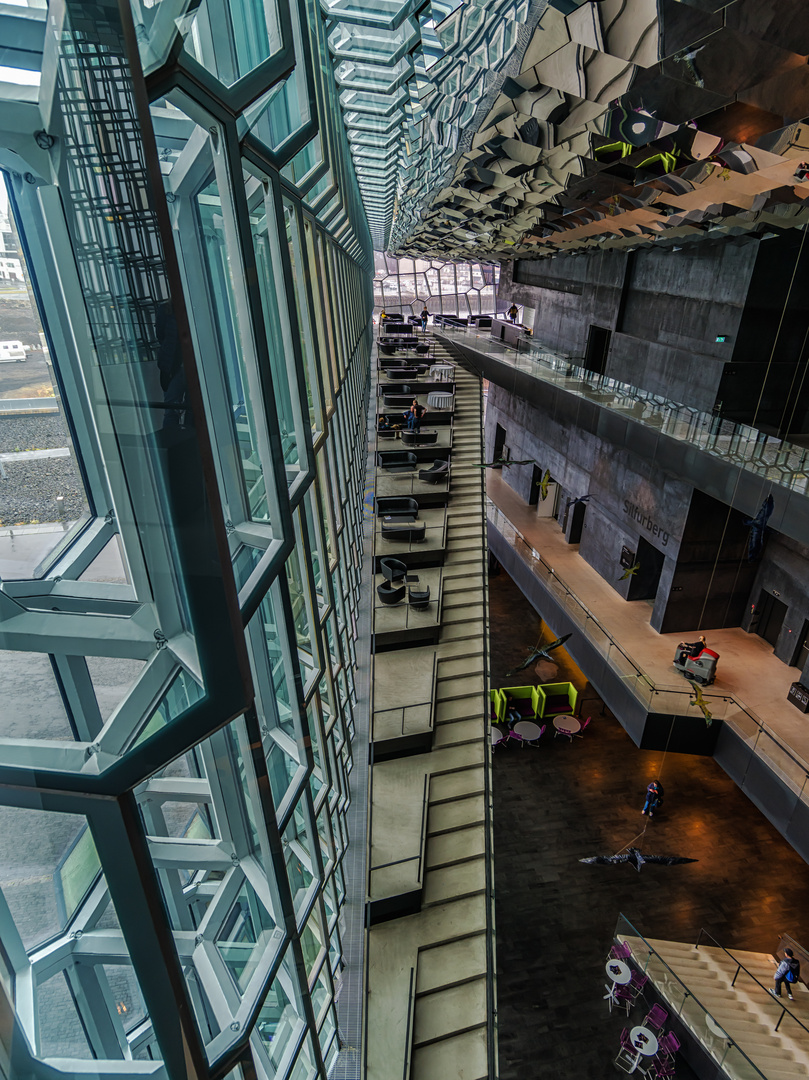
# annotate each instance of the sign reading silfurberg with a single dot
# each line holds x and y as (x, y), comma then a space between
(645, 522)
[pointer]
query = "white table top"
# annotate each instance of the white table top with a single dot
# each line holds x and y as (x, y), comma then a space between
(528, 729)
(644, 1041)
(618, 971)
(715, 1028)
(566, 723)
(496, 736)
(440, 400)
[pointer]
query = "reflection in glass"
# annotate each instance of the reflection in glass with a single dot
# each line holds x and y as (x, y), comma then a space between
(297, 856)
(232, 348)
(279, 1023)
(231, 39)
(245, 935)
(282, 359)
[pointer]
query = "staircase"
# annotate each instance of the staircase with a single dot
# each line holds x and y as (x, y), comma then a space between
(743, 1009)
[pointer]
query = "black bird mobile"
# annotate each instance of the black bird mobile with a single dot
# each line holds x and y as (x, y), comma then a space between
(758, 527)
(581, 499)
(540, 653)
(635, 858)
(504, 462)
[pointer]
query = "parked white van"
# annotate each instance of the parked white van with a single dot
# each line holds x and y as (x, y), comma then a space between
(11, 351)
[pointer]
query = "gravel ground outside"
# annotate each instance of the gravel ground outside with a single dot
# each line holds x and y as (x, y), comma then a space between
(29, 489)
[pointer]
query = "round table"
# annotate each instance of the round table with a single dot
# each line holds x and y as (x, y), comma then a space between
(644, 1041)
(567, 723)
(527, 730)
(442, 372)
(437, 399)
(496, 735)
(619, 972)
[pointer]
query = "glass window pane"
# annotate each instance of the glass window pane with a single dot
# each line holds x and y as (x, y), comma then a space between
(232, 344)
(231, 39)
(280, 1021)
(245, 935)
(299, 278)
(273, 305)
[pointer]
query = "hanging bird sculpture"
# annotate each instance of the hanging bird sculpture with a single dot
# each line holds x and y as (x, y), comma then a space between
(504, 462)
(543, 485)
(630, 572)
(540, 653)
(701, 703)
(758, 527)
(634, 857)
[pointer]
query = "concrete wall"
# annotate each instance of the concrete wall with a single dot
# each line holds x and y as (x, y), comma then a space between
(631, 497)
(784, 571)
(665, 309)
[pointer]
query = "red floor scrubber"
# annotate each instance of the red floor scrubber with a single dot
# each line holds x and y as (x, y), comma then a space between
(696, 661)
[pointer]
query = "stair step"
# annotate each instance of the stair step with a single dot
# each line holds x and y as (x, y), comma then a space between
(454, 882)
(463, 1056)
(454, 815)
(459, 960)
(444, 1013)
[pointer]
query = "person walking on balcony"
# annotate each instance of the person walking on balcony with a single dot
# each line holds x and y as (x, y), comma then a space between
(788, 971)
(513, 312)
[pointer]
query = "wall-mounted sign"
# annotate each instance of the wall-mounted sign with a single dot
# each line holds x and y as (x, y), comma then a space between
(645, 522)
(627, 558)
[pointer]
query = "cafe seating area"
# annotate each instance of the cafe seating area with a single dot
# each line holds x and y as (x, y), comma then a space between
(517, 711)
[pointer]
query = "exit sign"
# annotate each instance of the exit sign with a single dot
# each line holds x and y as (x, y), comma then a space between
(722, 338)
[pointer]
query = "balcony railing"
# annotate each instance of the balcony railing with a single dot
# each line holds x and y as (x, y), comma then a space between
(768, 457)
(674, 700)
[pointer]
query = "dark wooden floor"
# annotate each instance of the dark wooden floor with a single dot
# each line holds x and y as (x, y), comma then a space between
(555, 916)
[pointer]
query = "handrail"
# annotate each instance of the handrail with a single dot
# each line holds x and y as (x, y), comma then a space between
(409, 1028)
(624, 922)
(496, 516)
(740, 967)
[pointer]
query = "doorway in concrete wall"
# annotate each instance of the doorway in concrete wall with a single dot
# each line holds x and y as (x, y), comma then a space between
(769, 617)
(801, 654)
(536, 480)
(598, 345)
(499, 443)
(643, 584)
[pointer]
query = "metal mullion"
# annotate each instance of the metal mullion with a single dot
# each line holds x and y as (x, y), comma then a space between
(133, 712)
(262, 663)
(93, 996)
(210, 751)
(79, 695)
(176, 853)
(220, 905)
(232, 201)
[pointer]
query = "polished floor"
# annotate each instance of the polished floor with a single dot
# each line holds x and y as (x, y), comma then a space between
(562, 801)
(748, 668)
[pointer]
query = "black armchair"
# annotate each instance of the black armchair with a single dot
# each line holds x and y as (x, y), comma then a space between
(400, 508)
(396, 461)
(395, 570)
(391, 594)
(438, 471)
(405, 534)
(419, 438)
(419, 599)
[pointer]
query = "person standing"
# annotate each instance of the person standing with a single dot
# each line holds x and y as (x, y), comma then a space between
(513, 312)
(414, 415)
(425, 314)
(654, 797)
(788, 971)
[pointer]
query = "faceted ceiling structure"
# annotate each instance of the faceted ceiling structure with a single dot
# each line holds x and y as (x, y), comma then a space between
(515, 130)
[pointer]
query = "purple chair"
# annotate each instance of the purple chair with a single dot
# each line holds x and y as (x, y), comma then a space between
(623, 997)
(655, 1018)
(636, 984)
(627, 1058)
(669, 1044)
(621, 951)
(585, 723)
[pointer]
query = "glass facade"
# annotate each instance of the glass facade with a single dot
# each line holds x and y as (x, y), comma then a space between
(405, 286)
(178, 602)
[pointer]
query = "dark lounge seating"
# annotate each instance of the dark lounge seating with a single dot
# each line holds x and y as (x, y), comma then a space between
(395, 570)
(392, 400)
(395, 374)
(419, 438)
(396, 461)
(385, 433)
(391, 594)
(404, 533)
(438, 471)
(395, 362)
(398, 506)
(419, 599)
